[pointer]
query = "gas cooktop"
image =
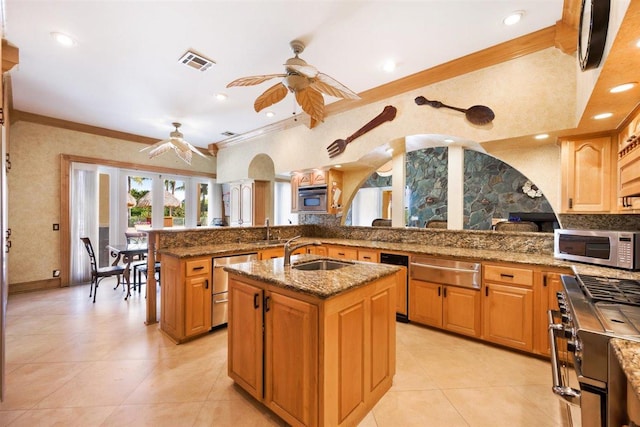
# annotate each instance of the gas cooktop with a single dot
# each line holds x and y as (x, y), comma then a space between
(606, 289)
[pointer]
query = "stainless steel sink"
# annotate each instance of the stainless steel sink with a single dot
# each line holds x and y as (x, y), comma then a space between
(321, 264)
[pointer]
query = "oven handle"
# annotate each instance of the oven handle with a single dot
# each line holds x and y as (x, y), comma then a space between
(566, 393)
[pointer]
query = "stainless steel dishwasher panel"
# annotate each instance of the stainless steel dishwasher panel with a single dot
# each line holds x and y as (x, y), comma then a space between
(219, 302)
(446, 271)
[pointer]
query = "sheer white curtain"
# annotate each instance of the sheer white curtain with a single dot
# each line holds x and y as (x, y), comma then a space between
(282, 204)
(84, 218)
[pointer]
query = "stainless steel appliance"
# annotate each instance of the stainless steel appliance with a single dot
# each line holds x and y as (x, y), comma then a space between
(399, 259)
(312, 199)
(592, 311)
(220, 297)
(620, 249)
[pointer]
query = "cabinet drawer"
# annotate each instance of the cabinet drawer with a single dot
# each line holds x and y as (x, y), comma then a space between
(511, 275)
(343, 253)
(198, 266)
(366, 255)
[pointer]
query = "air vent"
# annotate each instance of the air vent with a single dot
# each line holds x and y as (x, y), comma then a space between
(194, 60)
(227, 133)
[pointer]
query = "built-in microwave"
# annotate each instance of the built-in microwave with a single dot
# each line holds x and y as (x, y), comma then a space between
(620, 249)
(312, 199)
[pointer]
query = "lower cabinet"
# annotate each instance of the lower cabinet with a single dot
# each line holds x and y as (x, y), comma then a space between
(550, 283)
(448, 307)
(342, 252)
(324, 362)
(186, 297)
(507, 306)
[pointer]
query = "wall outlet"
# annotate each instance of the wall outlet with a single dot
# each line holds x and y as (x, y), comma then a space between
(56, 227)
(56, 273)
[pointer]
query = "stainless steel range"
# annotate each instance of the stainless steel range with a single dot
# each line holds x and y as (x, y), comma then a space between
(592, 311)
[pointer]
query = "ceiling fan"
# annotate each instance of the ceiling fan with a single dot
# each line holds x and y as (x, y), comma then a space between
(176, 141)
(302, 79)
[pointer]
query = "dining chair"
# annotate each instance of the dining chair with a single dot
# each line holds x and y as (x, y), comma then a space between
(137, 238)
(143, 269)
(99, 273)
(516, 226)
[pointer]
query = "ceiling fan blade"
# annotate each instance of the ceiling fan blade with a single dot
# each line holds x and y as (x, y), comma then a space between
(161, 149)
(254, 80)
(184, 155)
(194, 149)
(157, 144)
(332, 87)
(306, 70)
(311, 102)
(270, 96)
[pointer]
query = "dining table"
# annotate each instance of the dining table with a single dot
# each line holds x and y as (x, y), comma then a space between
(126, 254)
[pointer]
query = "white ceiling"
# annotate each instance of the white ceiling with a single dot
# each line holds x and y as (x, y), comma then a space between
(124, 74)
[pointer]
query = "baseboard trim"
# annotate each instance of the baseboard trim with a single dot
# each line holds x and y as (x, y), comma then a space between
(37, 285)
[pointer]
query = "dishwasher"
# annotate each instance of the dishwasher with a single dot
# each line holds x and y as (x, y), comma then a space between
(403, 260)
(220, 297)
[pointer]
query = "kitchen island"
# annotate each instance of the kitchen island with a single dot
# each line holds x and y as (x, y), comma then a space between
(316, 347)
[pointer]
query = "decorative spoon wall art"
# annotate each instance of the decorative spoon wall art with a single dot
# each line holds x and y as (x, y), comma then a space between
(478, 114)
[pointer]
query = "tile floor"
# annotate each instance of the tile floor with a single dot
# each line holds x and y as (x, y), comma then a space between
(71, 362)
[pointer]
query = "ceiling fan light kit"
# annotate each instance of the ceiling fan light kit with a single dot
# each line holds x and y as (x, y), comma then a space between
(302, 79)
(176, 142)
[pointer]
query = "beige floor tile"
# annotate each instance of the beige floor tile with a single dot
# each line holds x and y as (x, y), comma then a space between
(237, 413)
(498, 406)
(416, 408)
(7, 417)
(411, 373)
(156, 415)
(76, 417)
(103, 383)
(30, 383)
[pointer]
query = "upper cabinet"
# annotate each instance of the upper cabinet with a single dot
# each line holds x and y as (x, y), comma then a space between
(248, 203)
(588, 183)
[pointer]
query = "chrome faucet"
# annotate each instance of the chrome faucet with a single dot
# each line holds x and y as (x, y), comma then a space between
(266, 223)
(288, 249)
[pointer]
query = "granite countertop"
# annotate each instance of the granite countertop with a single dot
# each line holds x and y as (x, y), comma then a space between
(471, 254)
(321, 284)
(628, 354)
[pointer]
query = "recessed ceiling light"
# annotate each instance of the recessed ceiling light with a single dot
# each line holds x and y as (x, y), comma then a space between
(221, 96)
(64, 39)
(542, 136)
(389, 66)
(448, 140)
(513, 18)
(622, 87)
(269, 114)
(389, 150)
(638, 43)
(337, 166)
(602, 116)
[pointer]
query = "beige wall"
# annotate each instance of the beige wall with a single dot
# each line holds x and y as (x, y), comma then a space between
(34, 189)
(529, 95)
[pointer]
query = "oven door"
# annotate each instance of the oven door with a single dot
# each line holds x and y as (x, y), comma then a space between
(560, 386)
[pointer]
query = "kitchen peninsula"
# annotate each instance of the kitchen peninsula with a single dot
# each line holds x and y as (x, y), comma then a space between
(317, 347)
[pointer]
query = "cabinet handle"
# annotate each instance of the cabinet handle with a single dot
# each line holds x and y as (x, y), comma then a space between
(445, 292)
(266, 304)
(438, 290)
(198, 268)
(341, 253)
(221, 301)
(486, 291)
(256, 301)
(544, 280)
(206, 283)
(570, 203)
(366, 257)
(506, 276)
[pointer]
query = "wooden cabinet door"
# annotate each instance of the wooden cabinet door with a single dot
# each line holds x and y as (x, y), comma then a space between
(461, 310)
(197, 305)
(318, 177)
(291, 359)
(235, 201)
(508, 316)
(551, 284)
(294, 193)
(586, 175)
(425, 303)
(271, 253)
(171, 309)
(245, 345)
